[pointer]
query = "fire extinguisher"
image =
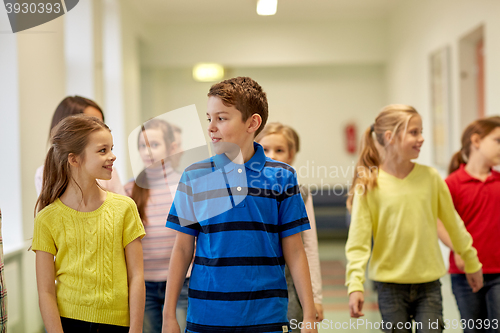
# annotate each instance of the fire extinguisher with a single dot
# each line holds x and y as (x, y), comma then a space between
(350, 136)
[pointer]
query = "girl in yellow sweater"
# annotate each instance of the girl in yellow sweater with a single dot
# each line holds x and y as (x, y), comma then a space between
(94, 235)
(397, 202)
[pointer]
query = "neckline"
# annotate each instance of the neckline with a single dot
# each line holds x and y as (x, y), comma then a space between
(410, 174)
(85, 214)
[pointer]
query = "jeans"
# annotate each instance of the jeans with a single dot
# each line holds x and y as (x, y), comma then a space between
(404, 306)
(79, 326)
(481, 310)
(155, 299)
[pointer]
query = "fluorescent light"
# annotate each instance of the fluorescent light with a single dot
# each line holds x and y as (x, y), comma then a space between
(267, 7)
(208, 72)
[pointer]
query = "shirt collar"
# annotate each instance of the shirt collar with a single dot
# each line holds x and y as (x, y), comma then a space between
(256, 163)
(464, 177)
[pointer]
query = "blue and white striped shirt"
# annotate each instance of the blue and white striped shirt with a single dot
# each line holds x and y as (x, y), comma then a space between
(239, 213)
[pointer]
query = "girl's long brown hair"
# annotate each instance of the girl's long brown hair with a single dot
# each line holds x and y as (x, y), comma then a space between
(69, 136)
(482, 127)
(393, 118)
(140, 193)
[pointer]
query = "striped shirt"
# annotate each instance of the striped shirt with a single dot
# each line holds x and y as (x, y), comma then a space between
(158, 243)
(239, 214)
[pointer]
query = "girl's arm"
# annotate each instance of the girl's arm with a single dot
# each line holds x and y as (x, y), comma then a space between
(295, 258)
(45, 280)
(136, 286)
(182, 255)
(310, 239)
(445, 238)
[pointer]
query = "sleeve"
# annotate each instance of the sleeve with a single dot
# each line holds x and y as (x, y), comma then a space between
(42, 236)
(358, 246)
(460, 237)
(182, 215)
(310, 239)
(292, 216)
(132, 225)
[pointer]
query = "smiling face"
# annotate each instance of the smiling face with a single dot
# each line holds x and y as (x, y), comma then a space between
(98, 156)
(276, 147)
(226, 128)
(152, 147)
(488, 148)
(410, 142)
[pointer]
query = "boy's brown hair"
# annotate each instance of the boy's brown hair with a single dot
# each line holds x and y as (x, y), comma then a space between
(245, 95)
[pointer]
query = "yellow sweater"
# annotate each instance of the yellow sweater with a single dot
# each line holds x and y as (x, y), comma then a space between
(90, 267)
(401, 215)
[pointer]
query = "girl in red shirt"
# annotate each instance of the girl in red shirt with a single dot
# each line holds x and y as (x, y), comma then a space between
(475, 189)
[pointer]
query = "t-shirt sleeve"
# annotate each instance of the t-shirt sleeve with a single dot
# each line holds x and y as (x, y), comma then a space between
(291, 209)
(358, 246)
(182, 216)
(43, 239)
(460, 237)
(132, 225)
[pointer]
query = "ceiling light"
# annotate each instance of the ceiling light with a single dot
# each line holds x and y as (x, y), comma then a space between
(208, 72)
(267, 7)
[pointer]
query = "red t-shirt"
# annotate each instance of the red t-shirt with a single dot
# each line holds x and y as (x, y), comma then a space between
(478, 204)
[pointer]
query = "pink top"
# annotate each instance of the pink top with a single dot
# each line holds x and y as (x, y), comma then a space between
(158, 243)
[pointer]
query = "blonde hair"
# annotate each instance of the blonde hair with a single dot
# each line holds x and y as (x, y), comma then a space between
(393, 118)
(291, 137)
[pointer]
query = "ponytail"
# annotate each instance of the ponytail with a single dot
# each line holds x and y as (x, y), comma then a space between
(369, 159)
(456, 161)
(391, 119)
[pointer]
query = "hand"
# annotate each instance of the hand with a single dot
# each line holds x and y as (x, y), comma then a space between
(356, 301)
(475, 280)
(170, 326)
(309, 326)
(459, 262)
(319, 312)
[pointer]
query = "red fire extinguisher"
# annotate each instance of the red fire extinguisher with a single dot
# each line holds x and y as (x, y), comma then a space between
(350, 135)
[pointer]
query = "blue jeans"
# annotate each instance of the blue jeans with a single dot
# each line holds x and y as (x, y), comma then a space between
(80, 326)
(476, 308)
(155, 299)
(404, 306)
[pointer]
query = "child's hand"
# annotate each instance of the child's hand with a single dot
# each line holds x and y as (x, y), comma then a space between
(459, 262)
(356, 301)
(475, 280)
(319, 312)
(170, 326)
(309, 326)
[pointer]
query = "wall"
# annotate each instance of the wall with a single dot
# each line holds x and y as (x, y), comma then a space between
(318, 101)
(418, 28)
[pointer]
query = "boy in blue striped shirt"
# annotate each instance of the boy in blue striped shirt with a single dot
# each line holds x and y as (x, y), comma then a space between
(246, 213)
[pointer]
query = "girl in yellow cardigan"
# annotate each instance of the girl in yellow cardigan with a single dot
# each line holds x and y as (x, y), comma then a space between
(94, 235)
(397, 202)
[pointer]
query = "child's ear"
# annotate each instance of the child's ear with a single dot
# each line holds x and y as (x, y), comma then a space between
(254, 123)
(388, 139)
(73, 160)
(475, 140)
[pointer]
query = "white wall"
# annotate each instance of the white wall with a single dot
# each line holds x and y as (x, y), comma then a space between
(318, 101)
(268, 44)
(417, 29)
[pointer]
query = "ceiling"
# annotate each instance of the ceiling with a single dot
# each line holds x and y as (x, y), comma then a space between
(165, 12)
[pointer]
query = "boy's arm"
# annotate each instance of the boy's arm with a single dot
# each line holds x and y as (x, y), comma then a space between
(182, 255)
(136, 287)
(45, 280)
(295, 258)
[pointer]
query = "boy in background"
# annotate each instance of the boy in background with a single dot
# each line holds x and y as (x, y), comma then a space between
(246, 212)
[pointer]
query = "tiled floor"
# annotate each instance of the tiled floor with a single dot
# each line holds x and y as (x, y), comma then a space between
(335, 299)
